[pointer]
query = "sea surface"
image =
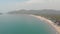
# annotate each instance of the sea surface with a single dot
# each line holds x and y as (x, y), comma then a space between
(24, 24)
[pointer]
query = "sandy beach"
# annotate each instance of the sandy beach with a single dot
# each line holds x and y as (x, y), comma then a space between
(57, 28)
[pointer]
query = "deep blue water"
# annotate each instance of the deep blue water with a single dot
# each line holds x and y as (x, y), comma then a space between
(24, 24)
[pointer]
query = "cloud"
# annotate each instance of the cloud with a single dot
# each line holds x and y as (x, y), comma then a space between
(31, 4)
(39, 4)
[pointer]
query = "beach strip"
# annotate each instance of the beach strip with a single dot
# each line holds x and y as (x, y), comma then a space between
(57, 28)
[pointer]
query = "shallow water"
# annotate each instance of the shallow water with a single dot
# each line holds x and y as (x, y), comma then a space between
(23, 24)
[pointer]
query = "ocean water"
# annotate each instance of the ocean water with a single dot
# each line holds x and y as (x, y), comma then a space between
(24, 24)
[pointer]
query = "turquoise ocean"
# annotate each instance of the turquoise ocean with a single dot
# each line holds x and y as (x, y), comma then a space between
(24, 24)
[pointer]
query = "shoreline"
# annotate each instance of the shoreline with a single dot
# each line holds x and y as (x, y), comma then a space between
(57, 28)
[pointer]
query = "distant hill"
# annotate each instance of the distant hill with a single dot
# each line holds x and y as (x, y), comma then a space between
(46, 11)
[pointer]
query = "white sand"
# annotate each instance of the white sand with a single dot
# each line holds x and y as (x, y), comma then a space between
(49, 22)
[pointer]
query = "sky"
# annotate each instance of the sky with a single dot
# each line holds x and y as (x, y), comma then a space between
(12, 5)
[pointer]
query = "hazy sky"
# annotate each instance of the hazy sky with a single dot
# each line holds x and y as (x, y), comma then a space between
(9, 5)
